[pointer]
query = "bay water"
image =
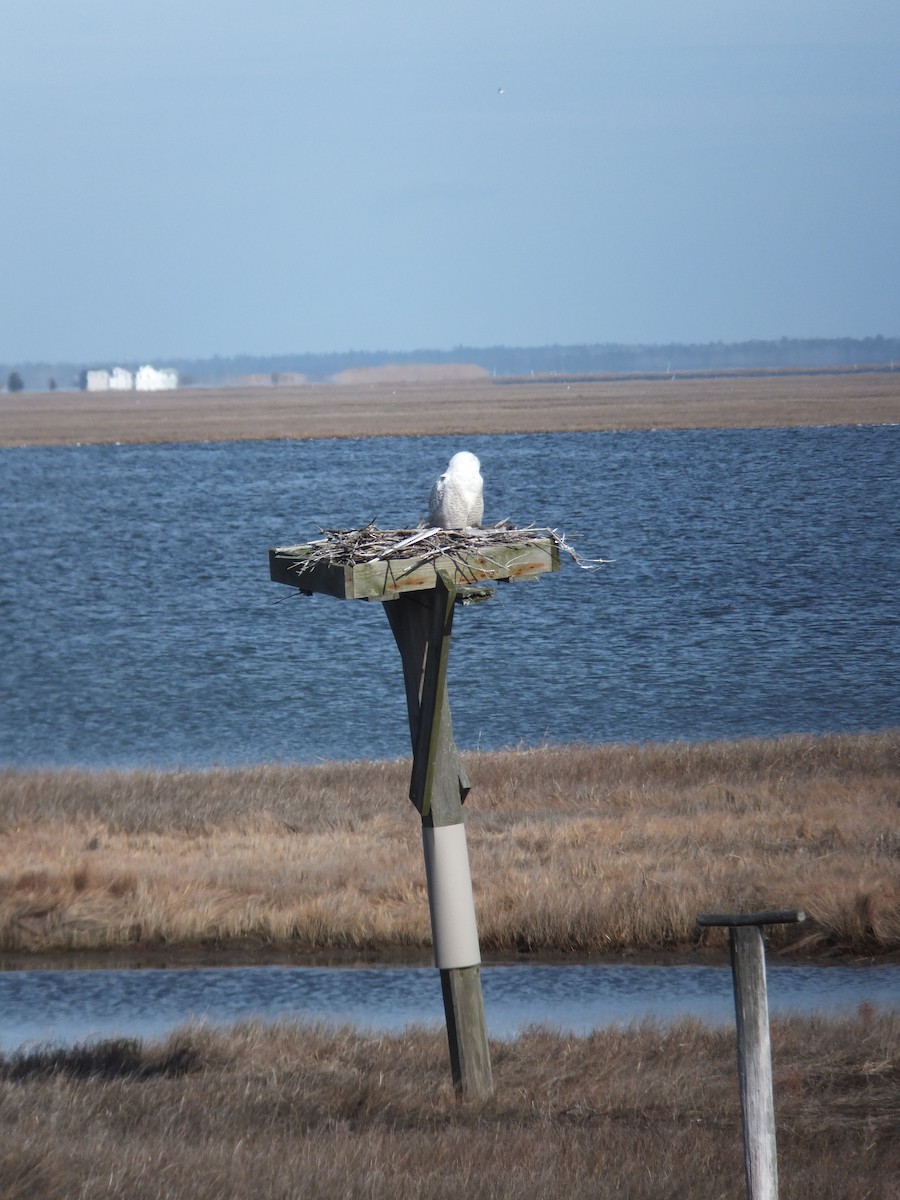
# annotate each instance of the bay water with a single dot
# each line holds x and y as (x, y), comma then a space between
(752, 588)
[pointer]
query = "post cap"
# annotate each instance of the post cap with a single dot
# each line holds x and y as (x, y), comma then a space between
(789, 916)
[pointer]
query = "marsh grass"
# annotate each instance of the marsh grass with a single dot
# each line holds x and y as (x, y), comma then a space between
(575, 851)
(291, 1111)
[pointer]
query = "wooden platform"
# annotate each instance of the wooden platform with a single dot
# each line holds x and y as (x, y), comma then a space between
(388, 577)
(426, 572)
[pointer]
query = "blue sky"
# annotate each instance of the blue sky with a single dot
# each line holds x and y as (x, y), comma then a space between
(183, 178)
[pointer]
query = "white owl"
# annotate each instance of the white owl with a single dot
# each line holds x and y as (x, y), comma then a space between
(456, 500)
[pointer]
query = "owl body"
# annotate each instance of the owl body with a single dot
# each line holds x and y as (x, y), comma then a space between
(457, 500)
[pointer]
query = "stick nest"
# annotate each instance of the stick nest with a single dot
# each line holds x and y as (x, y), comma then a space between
(347, 547)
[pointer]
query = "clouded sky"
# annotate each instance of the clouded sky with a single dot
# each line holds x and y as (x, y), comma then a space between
(186, 178)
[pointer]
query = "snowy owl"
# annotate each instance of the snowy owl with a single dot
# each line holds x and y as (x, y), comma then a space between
(456, 501)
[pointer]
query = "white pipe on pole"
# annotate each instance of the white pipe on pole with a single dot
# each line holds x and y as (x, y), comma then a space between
(454, 929)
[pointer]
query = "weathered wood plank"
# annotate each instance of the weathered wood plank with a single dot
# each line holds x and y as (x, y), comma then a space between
(780, 916)
(383, 579)
(421, 623)
(470, 1056)
(754, 1055)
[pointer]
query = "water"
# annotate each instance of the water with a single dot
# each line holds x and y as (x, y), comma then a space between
(753, 592)
(69, 1006)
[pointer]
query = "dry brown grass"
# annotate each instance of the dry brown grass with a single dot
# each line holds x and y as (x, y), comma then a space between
(314, 411)
(575, 851)
(283, 1112)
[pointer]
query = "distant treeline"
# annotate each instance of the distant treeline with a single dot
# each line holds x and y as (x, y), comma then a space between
(568, 360)
(595, 359)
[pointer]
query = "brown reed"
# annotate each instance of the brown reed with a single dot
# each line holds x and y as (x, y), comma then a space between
(286, 1111)
(576, 851)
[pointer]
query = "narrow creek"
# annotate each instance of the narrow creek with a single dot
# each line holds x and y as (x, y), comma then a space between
(68, 1006)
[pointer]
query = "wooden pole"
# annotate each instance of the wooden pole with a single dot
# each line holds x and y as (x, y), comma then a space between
(418, 592)
(421, 623)
(754, 1051)
(748, 967)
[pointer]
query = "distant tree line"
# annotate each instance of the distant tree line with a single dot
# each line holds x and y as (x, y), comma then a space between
(588, 359)
(605, 358)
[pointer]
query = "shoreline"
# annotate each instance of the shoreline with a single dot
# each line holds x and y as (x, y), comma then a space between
(190, 958)
(312, 411)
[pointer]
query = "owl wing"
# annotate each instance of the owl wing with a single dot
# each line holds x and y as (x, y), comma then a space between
(476, 506)
(448, 504)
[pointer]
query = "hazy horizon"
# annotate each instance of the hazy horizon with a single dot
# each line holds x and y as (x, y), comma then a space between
(875, 352)
(201, 179)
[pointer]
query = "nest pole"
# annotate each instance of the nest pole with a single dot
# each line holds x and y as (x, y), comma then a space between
(421, 623)
(754, 1054)
(418, 590)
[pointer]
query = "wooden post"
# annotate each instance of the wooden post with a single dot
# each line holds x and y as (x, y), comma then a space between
(754, 1052)
(421, 623)
(418, 589)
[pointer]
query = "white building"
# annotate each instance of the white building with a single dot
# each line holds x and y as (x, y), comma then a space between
(120, 380)
(97, 381)
(144, 379)
(149, 379)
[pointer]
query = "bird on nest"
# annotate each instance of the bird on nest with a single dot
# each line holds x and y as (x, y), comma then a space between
(457, 500)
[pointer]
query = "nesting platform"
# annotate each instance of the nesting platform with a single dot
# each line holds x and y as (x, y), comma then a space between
(372, 564)
(426, 572)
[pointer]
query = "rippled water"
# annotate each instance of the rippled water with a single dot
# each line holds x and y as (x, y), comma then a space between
(68, 1006)
(753, 590)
